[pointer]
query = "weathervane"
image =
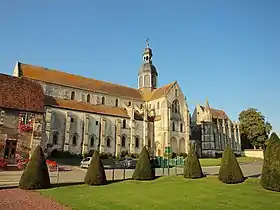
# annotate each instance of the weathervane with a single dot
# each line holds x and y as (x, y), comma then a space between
(147, 42)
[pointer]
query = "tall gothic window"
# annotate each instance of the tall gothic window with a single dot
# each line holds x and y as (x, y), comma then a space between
(136, 142)
(123, 141)
(91, 141)
(173, 126)
(175, 106)
(117, 103)
(55, 138)
(181, 127)
(108, 142)
(74, 140)
(124, 123)
(141, 81)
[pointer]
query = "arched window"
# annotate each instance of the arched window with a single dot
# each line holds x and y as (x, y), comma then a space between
(173, 126)
(123, 141)
(157, 105)
(137, 142)
(141, 106)
(154, 81)
(129, 103)
(141, 81)
(175, 106)
(74, 140)
(72, 95)
(91, 141)
(181, 127)
(147, 81)
(103, 100)
(55, 138)
(88, 98)
(108, 142)
(176, 92)
(117, 103)
(124, 123)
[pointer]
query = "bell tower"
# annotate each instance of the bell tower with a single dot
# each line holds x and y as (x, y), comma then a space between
(147, 75)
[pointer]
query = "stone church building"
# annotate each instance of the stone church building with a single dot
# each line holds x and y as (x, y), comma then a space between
(212, 131)
(83, 114)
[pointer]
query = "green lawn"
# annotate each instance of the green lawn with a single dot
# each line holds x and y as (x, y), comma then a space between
(217, 161)
(168, 193)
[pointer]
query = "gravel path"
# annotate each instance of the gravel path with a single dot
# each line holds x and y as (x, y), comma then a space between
(17, 199)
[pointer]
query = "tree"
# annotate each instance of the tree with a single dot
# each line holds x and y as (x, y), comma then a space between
(144, 169)
(230, 171)
(192, 168)
(95, 174)
(254, 128)
(36, 174)
(270, 178)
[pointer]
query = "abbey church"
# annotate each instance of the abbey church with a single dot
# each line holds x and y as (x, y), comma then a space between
(83, 114)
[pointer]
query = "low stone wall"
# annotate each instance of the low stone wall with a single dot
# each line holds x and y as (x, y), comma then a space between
(257, 153)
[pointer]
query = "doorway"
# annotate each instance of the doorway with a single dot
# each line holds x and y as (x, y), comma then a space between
(10, 151)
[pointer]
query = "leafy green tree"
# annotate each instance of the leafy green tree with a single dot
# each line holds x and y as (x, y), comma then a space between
(192, 167)
(254, 128)
(36, 174)
(270, 178)
(230, 171)
(95, 174)
(144, 169)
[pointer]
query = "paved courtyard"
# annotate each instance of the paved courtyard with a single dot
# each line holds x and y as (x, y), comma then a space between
(76, 174)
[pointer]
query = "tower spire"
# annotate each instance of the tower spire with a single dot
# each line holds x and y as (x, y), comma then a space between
(207, 106)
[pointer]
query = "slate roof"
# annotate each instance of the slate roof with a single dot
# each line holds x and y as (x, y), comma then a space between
(21, 94)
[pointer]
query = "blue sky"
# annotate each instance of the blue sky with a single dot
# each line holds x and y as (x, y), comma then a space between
(228, 51)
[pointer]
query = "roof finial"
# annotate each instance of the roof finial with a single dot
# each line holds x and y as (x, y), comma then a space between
(147, 42)
(207, 106)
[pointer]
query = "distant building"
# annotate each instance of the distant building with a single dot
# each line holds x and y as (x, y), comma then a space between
(212, 130)
(83, 114)
(21, 116)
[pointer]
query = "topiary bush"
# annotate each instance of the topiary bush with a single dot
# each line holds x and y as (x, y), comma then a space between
(230, 171)
(270, 178)
(192, 167)
(36, 174)
(95, 174)
(144, 169)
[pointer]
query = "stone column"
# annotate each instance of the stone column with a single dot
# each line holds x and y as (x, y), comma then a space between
(102, 134)
(224, 136)
(229, 135)
(85, 134)
(118, 137)
(131, 145)
(48, 121)
(67, 131)
(187, 131)
(145, 128)
(235, 136)
(238, 138)
(218, 144)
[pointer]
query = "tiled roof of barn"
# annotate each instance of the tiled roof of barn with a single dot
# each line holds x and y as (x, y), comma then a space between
(75, 81)
(85, 107)
(217, 113)
(21, 94)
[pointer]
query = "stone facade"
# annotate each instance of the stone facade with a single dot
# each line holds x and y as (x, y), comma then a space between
(212, 131)
(21, 117)
(83, 114)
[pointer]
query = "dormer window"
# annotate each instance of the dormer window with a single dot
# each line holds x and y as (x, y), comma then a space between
(117, 103)
(176, 92)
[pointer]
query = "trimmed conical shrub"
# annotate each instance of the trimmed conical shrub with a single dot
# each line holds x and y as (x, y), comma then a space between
(270, 178)
(95, 174)
(36, 174)
(192, 167)
(230, 171)
(144, 169)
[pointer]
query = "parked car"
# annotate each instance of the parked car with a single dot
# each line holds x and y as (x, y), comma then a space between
(130, 162)
(85, 162)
